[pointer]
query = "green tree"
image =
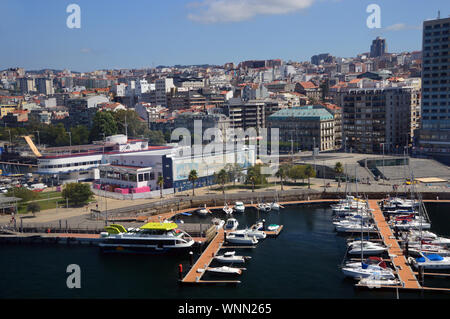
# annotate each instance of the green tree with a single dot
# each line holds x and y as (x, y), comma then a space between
(282, 173)
(80, 135)
(77, 194)
(297, 172)
(21, 192)
(130, 120)
(103, 122)
(34, 208)
(339, 169)
(255, 177)
(193, 176)
(155, 137)
(234, 172)
(222, 178)
(309, 172)
(161, 184)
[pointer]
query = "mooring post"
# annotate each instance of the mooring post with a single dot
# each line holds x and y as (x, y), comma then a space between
(421, 275)
(180, 271)
(191, 258)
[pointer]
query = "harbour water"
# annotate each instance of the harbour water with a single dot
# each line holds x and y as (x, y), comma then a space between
(302, 262)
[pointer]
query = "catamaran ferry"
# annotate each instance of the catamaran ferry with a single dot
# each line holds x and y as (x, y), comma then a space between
(150, 238)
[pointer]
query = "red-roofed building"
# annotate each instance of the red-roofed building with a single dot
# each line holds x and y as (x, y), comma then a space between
(309, 89)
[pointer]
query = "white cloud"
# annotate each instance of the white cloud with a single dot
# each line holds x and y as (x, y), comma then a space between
(213, 11)
(400, 27)
(86, 50)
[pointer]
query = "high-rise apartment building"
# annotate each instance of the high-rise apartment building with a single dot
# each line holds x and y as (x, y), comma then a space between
(44, 86)
(434, 137)
(381, 119)
(378, 47)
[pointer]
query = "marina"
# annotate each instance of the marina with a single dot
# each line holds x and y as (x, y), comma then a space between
(205, 269)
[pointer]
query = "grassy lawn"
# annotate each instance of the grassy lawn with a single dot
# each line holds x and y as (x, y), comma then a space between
(45, 195)
(45, 204)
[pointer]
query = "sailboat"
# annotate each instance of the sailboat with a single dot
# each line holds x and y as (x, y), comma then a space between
(203, 211)
(227, 209)
(230, 257)
(369, 248)
(373, 267)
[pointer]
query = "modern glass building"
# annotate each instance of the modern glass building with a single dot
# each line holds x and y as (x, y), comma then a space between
(435, 131)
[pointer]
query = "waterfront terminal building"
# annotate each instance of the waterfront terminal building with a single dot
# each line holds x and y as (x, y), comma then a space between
(122, 166)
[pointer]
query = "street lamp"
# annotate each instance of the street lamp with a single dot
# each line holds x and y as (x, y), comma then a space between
(70, 139)
(39, 140)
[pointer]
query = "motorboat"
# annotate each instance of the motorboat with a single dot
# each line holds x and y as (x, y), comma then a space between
(231, 224)
(273, 227)
(228, 210)
(203, 211)
(399, 203)
(367, 247)
(239, 207)
(346, 227)
(264, 207)
(430, 261)
(225, 270)
(241, 239)
(218, 223)
(275, 206)
(258, 226)
(374, 282)
(429, 237)
(428, 248)
(251, 233)
(230, 257)
(373, 267)
(406, 224)
(151, 237)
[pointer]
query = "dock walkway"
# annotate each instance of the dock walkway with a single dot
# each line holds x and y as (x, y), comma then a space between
(404, 271)
(193, 276)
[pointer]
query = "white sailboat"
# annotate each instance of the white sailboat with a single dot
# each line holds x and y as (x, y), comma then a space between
(263, 207)
(230, 257)
(370, 268)
(227, 209)
(225, 270)
(203, 211)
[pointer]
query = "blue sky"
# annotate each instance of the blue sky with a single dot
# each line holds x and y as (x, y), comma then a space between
(146, 33)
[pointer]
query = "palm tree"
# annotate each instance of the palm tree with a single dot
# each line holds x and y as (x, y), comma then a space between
(222, 178)
(33, 207)
(339, 169)
(161, 184)
(282, 173)
(192, 178)
(309, 172)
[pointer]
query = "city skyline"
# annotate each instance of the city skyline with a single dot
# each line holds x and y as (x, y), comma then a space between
(184, 32)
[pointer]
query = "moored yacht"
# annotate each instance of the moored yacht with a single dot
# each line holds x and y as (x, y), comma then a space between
(239, 207)
(151, 237)
(231, 224)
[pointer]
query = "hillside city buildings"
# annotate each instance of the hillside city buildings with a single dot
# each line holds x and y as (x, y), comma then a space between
(376, 102)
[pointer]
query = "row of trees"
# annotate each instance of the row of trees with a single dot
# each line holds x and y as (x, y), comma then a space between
(295, 172)
(104, 123)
